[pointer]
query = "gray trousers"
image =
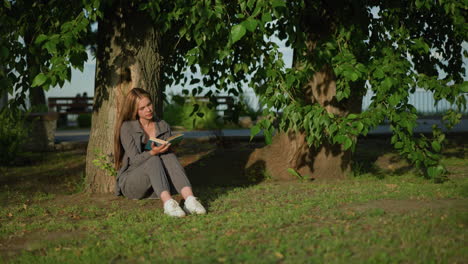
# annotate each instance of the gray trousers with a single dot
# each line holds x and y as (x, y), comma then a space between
(152, 175)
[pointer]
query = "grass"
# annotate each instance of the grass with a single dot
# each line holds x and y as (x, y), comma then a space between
(368, 218)
(39, 176)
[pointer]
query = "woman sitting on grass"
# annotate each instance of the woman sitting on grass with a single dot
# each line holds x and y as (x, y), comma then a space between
(144, 174)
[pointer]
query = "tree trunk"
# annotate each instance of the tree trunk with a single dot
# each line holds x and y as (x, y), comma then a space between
(290, 150)
(128, 56)
(37, 98)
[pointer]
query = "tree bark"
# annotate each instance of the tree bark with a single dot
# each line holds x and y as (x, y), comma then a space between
(128, 56)
(37, 98)
(290, 149)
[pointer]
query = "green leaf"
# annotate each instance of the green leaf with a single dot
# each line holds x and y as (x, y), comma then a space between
(359, 126)
(191, 60)
(250, 24)
(394, 99)
(266, 17)
(77, 59)
(50, 46)
(268, 137)
(420, 44)
(250, 4)
(182, 31)
(419, 4)
(278, 3)
(39, 80)
(41, 38)
(464, 87)
(378, 73)
(398, 145)
(293, 172)
(387, 83)
(223, 54)
(436, 146)
(237, 32)
(348, 143)
(254, 131)
(194, 81)
(435, 171)
(340, 139)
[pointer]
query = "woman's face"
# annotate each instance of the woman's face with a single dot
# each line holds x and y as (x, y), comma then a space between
(145, 108)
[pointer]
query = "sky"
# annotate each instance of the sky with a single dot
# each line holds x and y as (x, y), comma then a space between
(80, 82)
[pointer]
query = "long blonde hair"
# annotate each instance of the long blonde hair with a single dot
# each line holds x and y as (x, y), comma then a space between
(129, 111)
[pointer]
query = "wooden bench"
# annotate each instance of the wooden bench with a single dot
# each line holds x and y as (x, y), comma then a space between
(226, 102)
(65, 106)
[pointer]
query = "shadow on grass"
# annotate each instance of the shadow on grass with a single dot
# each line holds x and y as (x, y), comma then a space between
(376, 156)
(215, 170)
(54, 173)
(223, 170)
(456, 146)
(368, 151)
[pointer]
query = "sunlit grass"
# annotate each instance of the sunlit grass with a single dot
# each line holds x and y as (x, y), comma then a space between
(364, 219)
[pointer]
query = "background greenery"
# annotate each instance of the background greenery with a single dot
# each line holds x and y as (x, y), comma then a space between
(191, 114)
(84, 120)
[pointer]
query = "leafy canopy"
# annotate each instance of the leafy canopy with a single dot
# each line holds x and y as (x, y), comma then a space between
(388, 47)
(41, 41)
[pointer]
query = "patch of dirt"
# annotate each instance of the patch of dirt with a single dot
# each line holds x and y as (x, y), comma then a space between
(457, 172)
(404, 206)
(103, 201)
(32, 241)
(38, 239)
(392, 162)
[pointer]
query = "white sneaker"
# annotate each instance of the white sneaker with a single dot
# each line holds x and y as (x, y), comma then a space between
(193, 206)
(172, 208)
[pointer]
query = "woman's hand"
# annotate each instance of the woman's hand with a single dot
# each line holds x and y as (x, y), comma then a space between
(158, 150)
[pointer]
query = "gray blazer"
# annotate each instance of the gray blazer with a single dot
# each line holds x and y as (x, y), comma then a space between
(131, 138)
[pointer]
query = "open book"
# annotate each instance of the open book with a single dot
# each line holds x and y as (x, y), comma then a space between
(158, 142)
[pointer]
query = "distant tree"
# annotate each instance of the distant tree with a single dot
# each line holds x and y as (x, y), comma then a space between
(27, 54)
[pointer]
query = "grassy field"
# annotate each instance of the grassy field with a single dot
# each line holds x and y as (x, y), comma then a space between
(382, 214)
